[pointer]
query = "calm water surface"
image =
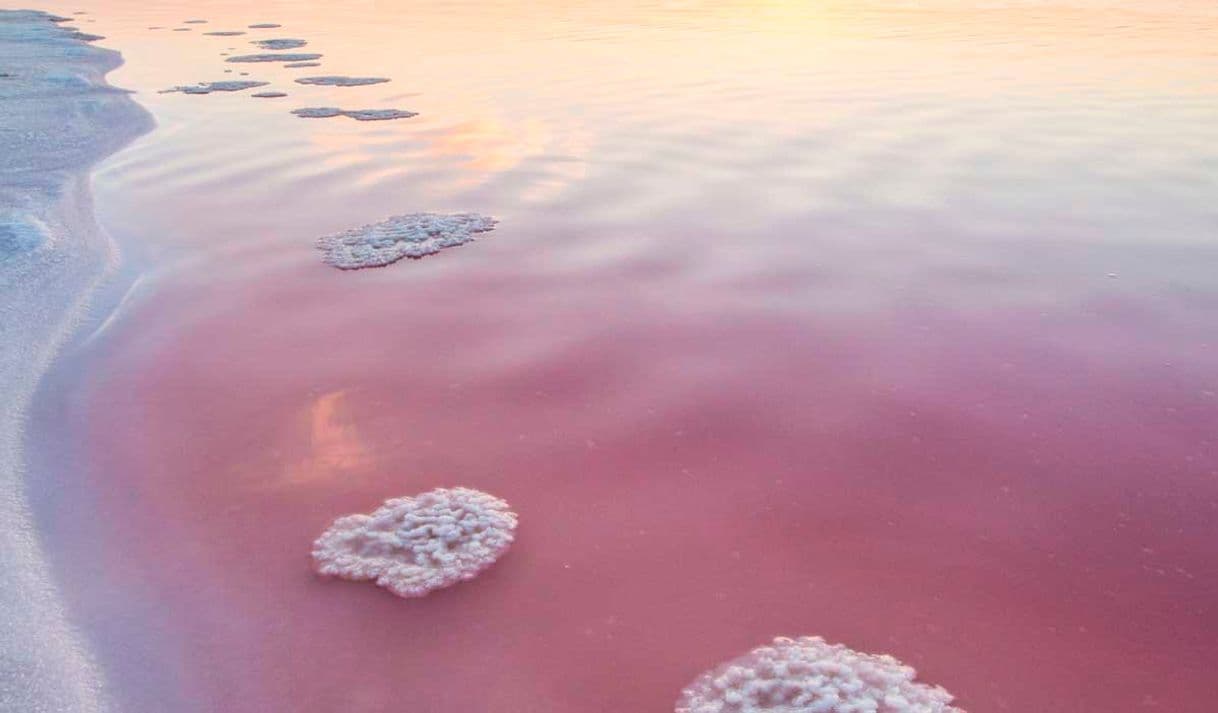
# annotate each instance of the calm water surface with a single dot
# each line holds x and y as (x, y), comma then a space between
(894, 323)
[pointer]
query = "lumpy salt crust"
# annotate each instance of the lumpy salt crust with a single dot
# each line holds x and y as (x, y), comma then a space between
(416, 545)
(414, 235)
(808, 675)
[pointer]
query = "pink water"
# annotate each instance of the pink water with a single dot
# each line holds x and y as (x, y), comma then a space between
(891, 326)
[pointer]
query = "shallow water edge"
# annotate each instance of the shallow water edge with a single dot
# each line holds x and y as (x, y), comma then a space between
(62, 118)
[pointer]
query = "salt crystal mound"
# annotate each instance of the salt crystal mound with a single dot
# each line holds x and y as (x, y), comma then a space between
(809, 675)
(303, 57)
(209, 87)
(281, 44)
(414, 546)
(339, 81)
(414, 236)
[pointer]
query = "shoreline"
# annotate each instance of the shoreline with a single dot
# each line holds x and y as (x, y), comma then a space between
(53, 257)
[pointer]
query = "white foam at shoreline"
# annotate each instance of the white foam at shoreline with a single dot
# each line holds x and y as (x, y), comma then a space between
(810, 674)
(60, 118)
(414, 546)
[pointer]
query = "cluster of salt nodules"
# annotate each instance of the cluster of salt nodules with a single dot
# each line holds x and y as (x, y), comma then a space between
(808, 674)
(414, 235)
(280, 44)
(341, 81)
(329, 112)
(416, 545)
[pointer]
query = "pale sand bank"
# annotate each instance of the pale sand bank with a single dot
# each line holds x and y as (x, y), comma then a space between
(60, 118)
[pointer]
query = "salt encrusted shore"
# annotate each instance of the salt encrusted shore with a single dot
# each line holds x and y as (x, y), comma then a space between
(60, 118)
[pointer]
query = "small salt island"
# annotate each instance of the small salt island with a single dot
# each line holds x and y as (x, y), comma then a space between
(413, 546)
(414, 235)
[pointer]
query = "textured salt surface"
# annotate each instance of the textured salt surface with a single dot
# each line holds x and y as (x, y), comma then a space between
(328, 112)
(264, 26)
(269, 95)
(808, 674)
(339, 81)
(274, 58)
(280, 44)
(414, 235)
(413, 546)
(209, 87)
(51, 255)
(295, 65)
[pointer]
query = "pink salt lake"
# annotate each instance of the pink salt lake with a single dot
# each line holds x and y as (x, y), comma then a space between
(892, 324)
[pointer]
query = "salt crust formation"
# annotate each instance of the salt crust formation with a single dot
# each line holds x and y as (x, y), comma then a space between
(280, 44)
(281, 57)
(339, 81)
(810, 675)
(236, 85)
(328, 112)
(414, 235)
(416, 545)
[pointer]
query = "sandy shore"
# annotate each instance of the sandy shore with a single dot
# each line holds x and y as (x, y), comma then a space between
(60, 119)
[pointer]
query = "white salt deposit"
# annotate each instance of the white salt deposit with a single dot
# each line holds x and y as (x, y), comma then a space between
(414, 235)
(328, 112)
(59, 118)
(279, 44)
(236, 85)
(339, 81)
(416, 545)
(303, 57)
(809, 675)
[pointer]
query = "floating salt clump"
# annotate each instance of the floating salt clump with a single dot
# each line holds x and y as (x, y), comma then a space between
(294, 65)
(341, 81)
(414, 235)
(413, 546)
(808, 674)
(268, 95)
(281, 44)
(225, 33)
(327, 112)
(209, 87)
(264, 26)
(273, 58)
